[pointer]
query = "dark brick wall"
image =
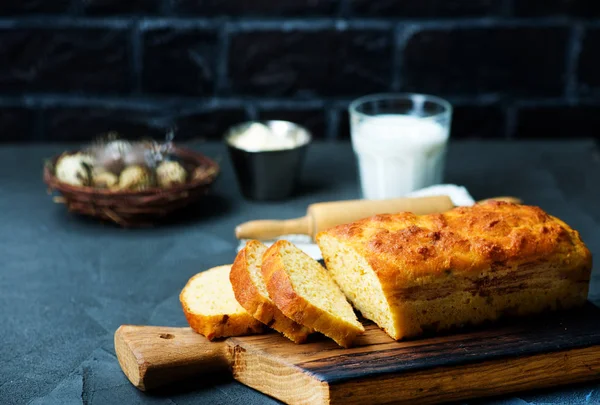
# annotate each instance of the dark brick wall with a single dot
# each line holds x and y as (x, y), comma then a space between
(71, 69)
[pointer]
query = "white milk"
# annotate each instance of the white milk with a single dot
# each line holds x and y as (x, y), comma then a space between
(398, 154)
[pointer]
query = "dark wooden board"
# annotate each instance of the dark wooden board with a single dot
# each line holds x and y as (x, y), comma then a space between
(557, 348)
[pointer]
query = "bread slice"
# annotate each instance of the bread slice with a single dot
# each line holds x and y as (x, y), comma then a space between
(251, 292)
(211, 308)
(304, 291)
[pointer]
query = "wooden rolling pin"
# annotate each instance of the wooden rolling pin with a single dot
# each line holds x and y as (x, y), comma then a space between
(321, 216)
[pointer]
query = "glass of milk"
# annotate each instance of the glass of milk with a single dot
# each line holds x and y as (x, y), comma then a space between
(400, 142)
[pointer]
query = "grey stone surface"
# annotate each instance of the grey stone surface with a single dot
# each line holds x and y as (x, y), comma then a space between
(67, 283)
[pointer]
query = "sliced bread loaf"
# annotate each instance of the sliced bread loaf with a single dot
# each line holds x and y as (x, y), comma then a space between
(415, 274)
(251, 292)
(305, 292)
(211, 309)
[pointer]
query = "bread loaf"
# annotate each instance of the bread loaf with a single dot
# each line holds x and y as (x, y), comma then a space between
(211, 308)
(411, 274)
(251, 292)
(304, 291)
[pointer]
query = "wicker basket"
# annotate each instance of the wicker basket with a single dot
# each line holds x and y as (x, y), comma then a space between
(136, 208)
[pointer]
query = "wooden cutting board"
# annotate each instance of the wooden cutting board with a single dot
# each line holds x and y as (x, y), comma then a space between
(559, 348)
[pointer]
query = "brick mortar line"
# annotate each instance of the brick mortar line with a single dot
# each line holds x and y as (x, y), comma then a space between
(140, 104)
(573, 52)
(591, 97)
(136, 56)
(46, 22)
(143, 100)
(594, 24)
(361, 23)
(179, 23)
(45, 100)
(222, 64)
(284, 24)
(478, 99)
(15, 101)
(483, 99)
(207, 106)
(398, 44)
(288, 103)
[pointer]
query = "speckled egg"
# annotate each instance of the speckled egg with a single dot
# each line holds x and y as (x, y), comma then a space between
(170, 173)
(104, 179)
(74, 169)
(135, 178)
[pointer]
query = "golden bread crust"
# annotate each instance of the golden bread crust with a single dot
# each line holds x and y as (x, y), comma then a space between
(466, 266)
(258, 306)
(216, 326)
(405, 249)
(297, 307)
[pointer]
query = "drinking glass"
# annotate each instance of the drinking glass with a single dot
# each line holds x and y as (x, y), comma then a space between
(400, 142)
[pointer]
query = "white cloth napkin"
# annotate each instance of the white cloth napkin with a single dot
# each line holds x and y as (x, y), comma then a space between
(458, 194)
